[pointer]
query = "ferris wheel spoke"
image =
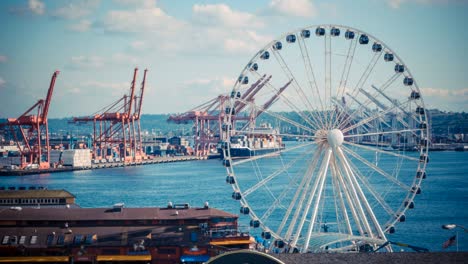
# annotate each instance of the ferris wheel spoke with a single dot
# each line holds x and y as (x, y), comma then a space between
(371, 118)
(363, 106)
(377, 169)
(360, 216)
(367, 72)
(371, 190)
(273, 175)
(310, 72)
(395, 104)
(272, 154)
(317, 202)
(310, 196)
(382, 133)
(339, 193)
(381, 151)
(345, 75)
(347, 66)
(303, 191)
(287, 71)
(280, 117)
(350, 201)
(379, 232)
(250, 132)
(283, 194)
(293, 106)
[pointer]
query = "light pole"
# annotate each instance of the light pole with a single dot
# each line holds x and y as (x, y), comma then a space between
(453, 226)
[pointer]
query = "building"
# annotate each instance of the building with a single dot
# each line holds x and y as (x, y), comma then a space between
(172, 234)
(35, 197)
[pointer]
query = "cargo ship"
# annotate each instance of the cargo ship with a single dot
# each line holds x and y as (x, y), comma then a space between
(257, 141)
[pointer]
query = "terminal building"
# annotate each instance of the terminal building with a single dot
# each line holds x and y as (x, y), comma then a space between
(177, 233)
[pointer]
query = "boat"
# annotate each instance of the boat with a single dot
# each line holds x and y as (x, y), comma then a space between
(254, 142)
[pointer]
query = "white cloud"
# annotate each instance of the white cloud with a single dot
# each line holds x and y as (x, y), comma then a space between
(208, 31)
(398, 3)
(82, 26)
(76, 9)
(86, 62)
(452, 99)
(300, 8)
(141, 20)
(97, 62)
(139, 45)
(223, 15)
(215, 86)
(3, 58)
(248, 42)
(122, 58)
(36, 7)
(2, 82)
(138, 3)
(106, 85)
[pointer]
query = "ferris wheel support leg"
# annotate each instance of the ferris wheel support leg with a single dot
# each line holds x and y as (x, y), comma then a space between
(309, 202)
(317, 202)
(379, 230)
(302, 187)
(354, 196)
(339, 193)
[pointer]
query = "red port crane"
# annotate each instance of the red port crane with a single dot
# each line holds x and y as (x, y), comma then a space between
(208, 118)
(31, 132)
(117, 130)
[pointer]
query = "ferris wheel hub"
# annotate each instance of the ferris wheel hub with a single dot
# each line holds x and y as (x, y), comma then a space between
(335, 138)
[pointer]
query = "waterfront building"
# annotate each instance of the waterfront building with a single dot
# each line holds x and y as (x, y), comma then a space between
(174, 234)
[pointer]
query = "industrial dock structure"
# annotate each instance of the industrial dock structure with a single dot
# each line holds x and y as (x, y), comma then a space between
(116, 139)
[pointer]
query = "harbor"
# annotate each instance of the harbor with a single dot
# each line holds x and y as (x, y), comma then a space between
(276, 131)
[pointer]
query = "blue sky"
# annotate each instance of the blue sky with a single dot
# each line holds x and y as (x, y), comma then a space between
(194, 50)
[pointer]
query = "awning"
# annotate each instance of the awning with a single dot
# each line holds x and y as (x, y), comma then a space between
(35, 259)
(230, 242)
(123, 257)
(194, 258)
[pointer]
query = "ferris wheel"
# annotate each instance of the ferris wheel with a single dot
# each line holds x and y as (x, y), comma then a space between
(326, 141)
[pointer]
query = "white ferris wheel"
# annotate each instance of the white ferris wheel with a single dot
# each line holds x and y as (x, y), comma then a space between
(326, 141)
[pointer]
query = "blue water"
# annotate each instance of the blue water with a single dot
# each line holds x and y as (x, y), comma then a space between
(444, 197)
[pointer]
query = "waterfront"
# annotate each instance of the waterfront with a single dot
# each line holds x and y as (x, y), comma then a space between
(443, 200)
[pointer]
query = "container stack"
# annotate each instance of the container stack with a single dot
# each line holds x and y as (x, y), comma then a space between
(55, 156)
(76, 157)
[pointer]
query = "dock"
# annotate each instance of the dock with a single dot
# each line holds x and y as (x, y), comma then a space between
(155, 160)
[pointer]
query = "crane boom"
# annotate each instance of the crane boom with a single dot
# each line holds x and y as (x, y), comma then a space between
(132, 93)
(45, 110)
(141, 93)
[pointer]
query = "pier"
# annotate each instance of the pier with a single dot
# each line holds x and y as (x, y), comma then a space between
(155, 160)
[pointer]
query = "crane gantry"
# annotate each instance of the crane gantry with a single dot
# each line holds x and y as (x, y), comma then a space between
(30, 132)
(117, 129)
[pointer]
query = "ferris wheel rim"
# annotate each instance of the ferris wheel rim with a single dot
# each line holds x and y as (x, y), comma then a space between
(424, 150)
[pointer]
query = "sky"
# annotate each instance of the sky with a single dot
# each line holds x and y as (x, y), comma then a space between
(194, 50)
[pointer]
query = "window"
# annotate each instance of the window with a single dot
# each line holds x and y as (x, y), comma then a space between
(89, 239)
(50, 240)
(61, 240)
(77, 239)
(33, 240)
(22, 240)
(5, 240)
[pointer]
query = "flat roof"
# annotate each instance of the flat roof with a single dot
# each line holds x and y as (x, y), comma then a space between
(83, 214)
(27, 194)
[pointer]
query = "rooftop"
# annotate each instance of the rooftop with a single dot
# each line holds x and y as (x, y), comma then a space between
(82, 214)
(18, 194)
